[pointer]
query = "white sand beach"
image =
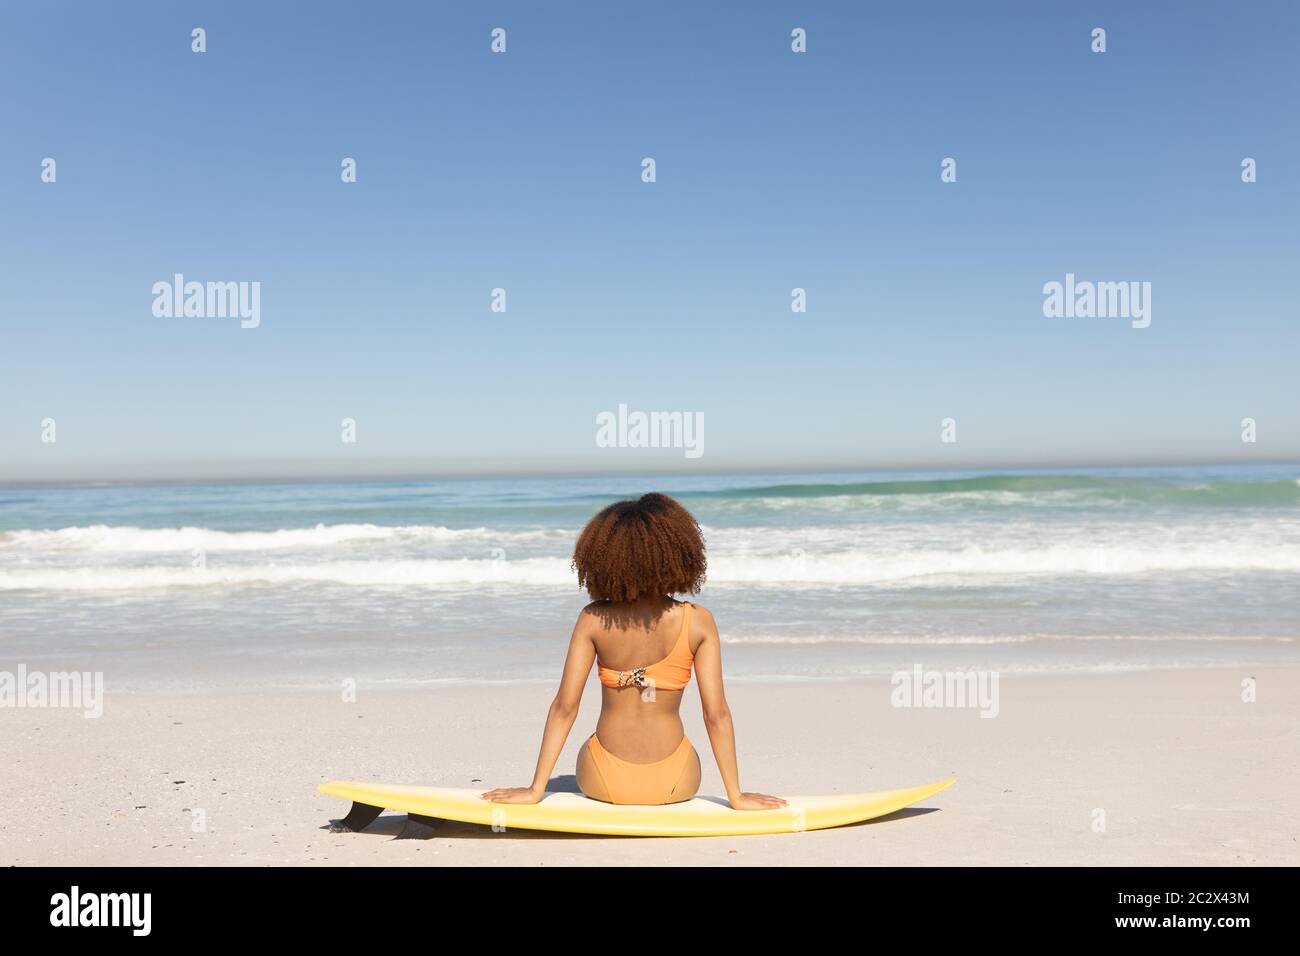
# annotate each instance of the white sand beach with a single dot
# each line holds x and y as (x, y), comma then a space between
(1185, 772)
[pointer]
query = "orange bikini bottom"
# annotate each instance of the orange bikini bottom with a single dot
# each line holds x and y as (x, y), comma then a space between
(643, 784)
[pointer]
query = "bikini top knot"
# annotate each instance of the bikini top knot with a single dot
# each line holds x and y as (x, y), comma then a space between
(671, 673)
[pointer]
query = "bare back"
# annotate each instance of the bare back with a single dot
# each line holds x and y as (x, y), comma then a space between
(641, 724)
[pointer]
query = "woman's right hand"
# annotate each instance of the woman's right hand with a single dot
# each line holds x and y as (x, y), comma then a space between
(756, 801)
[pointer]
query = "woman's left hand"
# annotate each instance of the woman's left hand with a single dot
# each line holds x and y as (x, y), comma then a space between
(512, 795)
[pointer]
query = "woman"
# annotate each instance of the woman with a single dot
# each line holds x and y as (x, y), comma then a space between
(632, 557)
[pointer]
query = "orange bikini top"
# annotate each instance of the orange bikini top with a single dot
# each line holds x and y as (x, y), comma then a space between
(671, 673)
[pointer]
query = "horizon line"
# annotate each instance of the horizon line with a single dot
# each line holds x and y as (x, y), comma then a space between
(422, 476)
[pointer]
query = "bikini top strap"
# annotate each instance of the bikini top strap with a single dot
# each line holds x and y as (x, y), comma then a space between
(684, 636)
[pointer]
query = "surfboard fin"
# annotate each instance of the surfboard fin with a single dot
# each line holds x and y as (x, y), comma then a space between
(417, 827)
(359, 817)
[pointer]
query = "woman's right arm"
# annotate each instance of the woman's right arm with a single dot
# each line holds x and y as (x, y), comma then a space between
(717, 715)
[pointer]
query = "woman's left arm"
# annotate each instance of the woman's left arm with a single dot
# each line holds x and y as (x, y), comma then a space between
(560, 718)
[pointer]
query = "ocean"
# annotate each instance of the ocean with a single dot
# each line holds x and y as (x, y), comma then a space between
(811, 577)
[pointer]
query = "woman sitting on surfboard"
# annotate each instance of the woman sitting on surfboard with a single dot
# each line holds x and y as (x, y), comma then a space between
(632, 557)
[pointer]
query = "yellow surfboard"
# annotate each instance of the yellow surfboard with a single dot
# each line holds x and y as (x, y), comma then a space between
(574, 813)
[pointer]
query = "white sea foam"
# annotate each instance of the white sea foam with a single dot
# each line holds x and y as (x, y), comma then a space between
(105, 538)
(919, 566)
(976, 562)
(379, 574)
(958, 640)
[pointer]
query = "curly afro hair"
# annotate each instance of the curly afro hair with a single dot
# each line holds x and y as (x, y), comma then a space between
(645, 548)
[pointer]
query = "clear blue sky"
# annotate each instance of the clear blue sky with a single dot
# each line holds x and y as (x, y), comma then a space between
(522, 170)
